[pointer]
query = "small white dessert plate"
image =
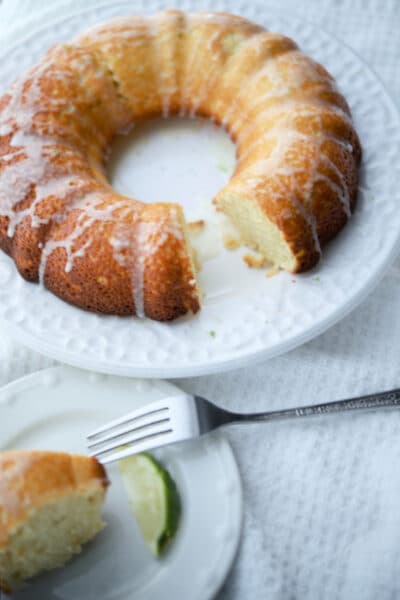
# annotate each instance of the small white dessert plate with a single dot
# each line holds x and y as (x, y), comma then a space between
(54, 409)
(246, 317)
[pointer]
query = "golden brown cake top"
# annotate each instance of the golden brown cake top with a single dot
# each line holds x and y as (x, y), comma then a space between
(31, 478)
(64, 225)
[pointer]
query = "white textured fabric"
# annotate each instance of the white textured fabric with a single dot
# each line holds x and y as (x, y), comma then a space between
(321, 497)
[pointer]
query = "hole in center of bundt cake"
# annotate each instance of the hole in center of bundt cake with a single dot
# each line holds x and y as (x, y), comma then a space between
(172, 160)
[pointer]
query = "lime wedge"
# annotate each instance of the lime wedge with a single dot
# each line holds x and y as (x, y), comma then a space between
(153, 499)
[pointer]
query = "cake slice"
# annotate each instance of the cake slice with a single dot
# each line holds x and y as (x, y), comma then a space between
(50, 504)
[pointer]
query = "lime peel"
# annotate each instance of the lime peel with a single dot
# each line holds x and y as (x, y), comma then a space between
(153, 499)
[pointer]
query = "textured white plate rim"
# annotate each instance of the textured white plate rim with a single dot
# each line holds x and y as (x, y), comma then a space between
(226, 362)
(198, 369)
(219, 444)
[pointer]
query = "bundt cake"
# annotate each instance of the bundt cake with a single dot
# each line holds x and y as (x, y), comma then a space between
(50, 504)
(293, 188)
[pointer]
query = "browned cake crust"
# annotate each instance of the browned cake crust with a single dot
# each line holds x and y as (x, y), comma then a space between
(63, 224)
(30, 479)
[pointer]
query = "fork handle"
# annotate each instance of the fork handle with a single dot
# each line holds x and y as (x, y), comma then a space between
(389, 399)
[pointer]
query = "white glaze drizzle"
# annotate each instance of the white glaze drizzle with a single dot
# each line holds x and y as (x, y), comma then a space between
(235, 105)
(149, 237)
(90, 213)
(214, 72)
(302, 69)
(299, 207)
(165, 90)
(13, 498)
(189, 72)
(283, 119)
(16, 179)
(275, 163)
(18, 114)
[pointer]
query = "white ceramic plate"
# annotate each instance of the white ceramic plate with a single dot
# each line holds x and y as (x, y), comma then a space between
(53, 409)
(246, 317)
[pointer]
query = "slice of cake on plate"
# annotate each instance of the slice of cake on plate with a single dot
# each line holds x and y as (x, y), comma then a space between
(50, 504)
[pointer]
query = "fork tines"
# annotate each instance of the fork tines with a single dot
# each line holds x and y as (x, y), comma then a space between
(148, 427)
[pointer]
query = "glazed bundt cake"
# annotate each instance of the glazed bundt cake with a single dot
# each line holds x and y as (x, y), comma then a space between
(50, 504)
(293, 189)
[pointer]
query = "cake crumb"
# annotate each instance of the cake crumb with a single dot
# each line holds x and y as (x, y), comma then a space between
(196, 226)
(255, 261)
(230, 242)
(274, 270)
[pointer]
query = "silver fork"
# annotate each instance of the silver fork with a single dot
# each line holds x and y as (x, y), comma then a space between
(185, 417)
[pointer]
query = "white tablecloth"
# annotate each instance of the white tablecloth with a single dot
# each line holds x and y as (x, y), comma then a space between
(322, 517)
